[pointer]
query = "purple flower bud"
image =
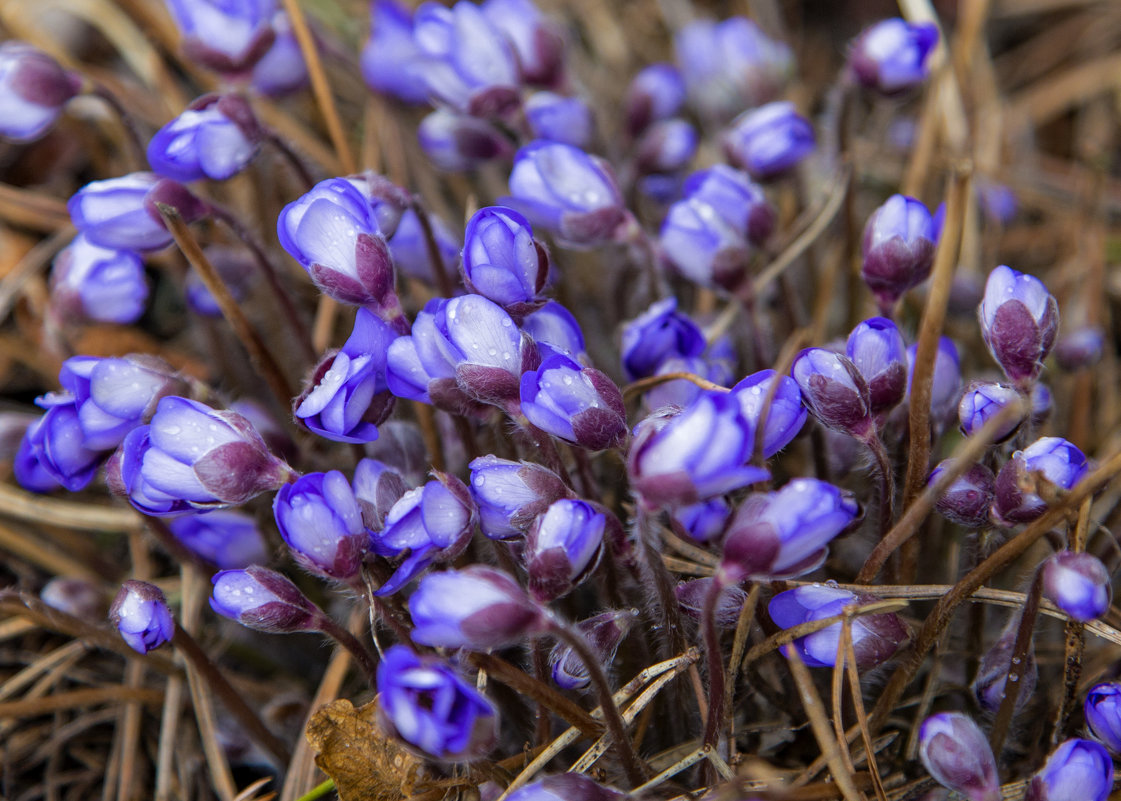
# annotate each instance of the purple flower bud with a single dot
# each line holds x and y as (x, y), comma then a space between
(560, 119)
(877, 351)
(968, 499)
(555, 330)
(890, 57)
(898, 249)
(1078, 770)
(564, 190)
(769, 141)
(703, 522)
(983, 400)
(478, 608)
(390, 59)
(99, 284)
(578, 404)
(603, 633)
(141, 615)
(54, 449)
(347, 395)
(945, 387)
(216, 137)
(192, 456)
(121, 214)
(33, 90)
(456, 142)
(510, 495)
(703, 246)
(1103, 713)
(226, 37)
(76, 597)
(466, 62)
(875, 638)
(263, 600)
(563, 547)
(1077, 583)
(28, 465)
(1019, 320)
(956, 753)
(224, 538)
(786, 413)
(566, 787)
(785, 533)
(692, 455)
(282, 68)
(1080, 348)
(377, 486)
(691, 596)
(666, 146)
(1018, 484)
(501, 259)
(992, 673)
(538, 45)
(738, 200)
(320, 519)
(427, 704)
(656, 93)
(729, 66)
(834, 391)
(658, 334)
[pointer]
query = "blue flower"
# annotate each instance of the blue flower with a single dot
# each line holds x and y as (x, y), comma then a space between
(578, 404)
(566, 787)
(120, 213)
(1078, 770)
(658, 334)
(560, 119)
(555, 330)
(478, 608)
(834, 390)
(877, 351)
(501, 259)
(891, 56)
(1057, 460)
(1077, 583)
(457, 142)
(104, 285)
(537, 43)
(1103, 713)
(769, 141)
(786, 413)
(984, 400)
(510, 495)
(657, 92)
(562, 548)
(225, 538)
(33, 90)
(141, 616)
(1019, 320)
(226, 36)
(391, 59)
(319, 518)
(215, 137)
(968, 499)
(898, 248)
(54, 448)
(956, 753)
(282, 68)
(264, 600)
(739, 201)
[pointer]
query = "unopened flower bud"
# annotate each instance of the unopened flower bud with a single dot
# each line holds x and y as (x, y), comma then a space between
(563, 547)
(957, 754)
(1077, 583)
(74, 596)
(877, 351)
(1103, 713)
(769, 141)
(891, 56)
(33, 90)
(1019, 320)
(983, 400)
(478, 608)
(992, 674)
(834, 390)
(968, 499)
(1019, 492)
(141, 615)
(579, 405)
(510, 495)
(1078, 770)
(603, 633)
(122, 213)
(264, 600)
(898, 249)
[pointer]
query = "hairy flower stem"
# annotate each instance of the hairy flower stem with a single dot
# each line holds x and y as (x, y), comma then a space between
(432, 247)
(715, 658)
(632, 766)
(348, 641)
(1016, 665)
(289, 155)
(887, 481)
(136, 139)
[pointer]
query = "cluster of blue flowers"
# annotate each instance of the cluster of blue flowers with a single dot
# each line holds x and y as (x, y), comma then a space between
(552, 488)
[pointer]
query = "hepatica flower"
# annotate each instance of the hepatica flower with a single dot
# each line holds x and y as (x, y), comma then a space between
(282, 68)
(877, 351)
(1078, 770)
(786, 414)
(478, 608)
(1058, 461)
(566, 787)
(510, 495)
(455, 142)
(603, 633)
(945, 386)
(122, 214)
(982, 401)
(226, 538)
(141, 615)
(658, 334)
(1019, 321)
(834, 391)
(319, 518)
(228, 37)
(53, 451)
(501, 259)
(560, 119)
(427, 704)
(562, 548)
(215, 137)
(578, 404)
(104, 285)
(1077, 583)
(33, 91)
(390, 59)
(956, 753)
(968, 499)
(263, 600)
(538, 45)
(898, 248)
(891, 56)
(1103, 714)
(657, 92)
(769, 141)
(555, 330)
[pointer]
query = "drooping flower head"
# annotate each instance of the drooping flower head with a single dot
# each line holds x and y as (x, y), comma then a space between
(1019, 321)
(956, 753)
(215, 137)
(510, 495)
(100, 284)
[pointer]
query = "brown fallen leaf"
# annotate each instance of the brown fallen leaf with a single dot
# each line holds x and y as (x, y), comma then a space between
(364, 763)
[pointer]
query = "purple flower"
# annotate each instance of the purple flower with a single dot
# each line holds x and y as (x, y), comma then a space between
(320, 519)
(945, 387)
(956, 753)
(409, 247)
(391, 59)
(560, 119)
(703, 246)
(192, 456)
(377, 486)
(28, 464)
(228, 37)
(282, 68)
(334, 232)
(347, 395)
(510, 495)
(992, 673)
(693, 455)
(33, 90)
(466, 62)
(216, 137)
(738, 200)
(785, 533)
(75, 596)
(729, 66)
(666, 146)
(891, 56)
(54, 450)
(555, 330)
(656, 93)
(478, 608)
(704, 522)
(786, 414)
(578, 404)
(1078, 770)
(537, 44)
(563, 548)
(898, 249)
(263, 600)
(1077, 583)
(875, 638)
(564, 190)
(981, 401)
(456, 142)
(769, 141)
(968, 499)
(603, 633)
(501, 259)
(121, 214)
(141, 615)
(877, 351)
(680, 391)
(99, 284)
(224, 538)
(1080, 348)
(427, 704)
(1019, 320)
(1055, 460)
(834, 391)
(1103, 714)
(658, 334)
(566, 787)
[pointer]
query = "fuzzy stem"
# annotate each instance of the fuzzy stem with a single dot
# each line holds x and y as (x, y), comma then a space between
(715, 658)
(887, 481)
(132, 129)
(288, 154)
(432, 247)
(348, 641)
(1016, 665)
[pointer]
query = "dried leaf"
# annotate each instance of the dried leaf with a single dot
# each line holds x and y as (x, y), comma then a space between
(364, 763)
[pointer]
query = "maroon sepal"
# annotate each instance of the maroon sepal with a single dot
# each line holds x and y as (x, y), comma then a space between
(492, 385)
(375, 270)
(199, 51)
(237, 471)
(494, 101)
